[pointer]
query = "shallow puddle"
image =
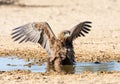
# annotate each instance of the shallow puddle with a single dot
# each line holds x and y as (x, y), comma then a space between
(14, 63)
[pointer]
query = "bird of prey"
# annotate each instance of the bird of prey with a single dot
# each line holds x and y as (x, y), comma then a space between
(60, 49)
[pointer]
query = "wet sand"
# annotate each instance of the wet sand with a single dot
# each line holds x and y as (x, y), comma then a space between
(101, 44)
(25, 77)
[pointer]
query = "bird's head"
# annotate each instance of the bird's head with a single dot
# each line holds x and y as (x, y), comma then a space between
(64, 35)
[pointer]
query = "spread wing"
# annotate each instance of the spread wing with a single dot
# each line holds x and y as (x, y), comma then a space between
(37, 32)
(80, 30)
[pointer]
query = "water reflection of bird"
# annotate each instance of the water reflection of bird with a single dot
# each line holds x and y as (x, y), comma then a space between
(60, 50)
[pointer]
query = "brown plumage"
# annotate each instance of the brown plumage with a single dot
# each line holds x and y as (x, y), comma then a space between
(60, 50)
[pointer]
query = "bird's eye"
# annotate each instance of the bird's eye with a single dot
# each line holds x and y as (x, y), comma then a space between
(64, 33)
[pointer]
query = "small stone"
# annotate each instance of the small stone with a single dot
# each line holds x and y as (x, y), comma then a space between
(97, 62)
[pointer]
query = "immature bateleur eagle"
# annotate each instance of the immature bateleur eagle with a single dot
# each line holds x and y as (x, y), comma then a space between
(60, 50)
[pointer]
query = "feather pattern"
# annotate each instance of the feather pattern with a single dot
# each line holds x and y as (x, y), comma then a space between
(37, 32)
(60, 50)
(80, 30)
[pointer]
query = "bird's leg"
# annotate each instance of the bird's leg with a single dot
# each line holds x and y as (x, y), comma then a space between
(54, 62)
(50, 63)
(57, 64)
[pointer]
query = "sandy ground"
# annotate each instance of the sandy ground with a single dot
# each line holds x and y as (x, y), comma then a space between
(101, 44)
(24, 77)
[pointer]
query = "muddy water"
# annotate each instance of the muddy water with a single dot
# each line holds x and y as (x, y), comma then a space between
(14, 63)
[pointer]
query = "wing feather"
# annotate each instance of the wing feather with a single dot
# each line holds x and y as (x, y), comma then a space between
(80, 30)
(37, 32)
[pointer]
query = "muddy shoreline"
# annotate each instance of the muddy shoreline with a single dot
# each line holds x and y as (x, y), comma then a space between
(86, 77)
(80, 57)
